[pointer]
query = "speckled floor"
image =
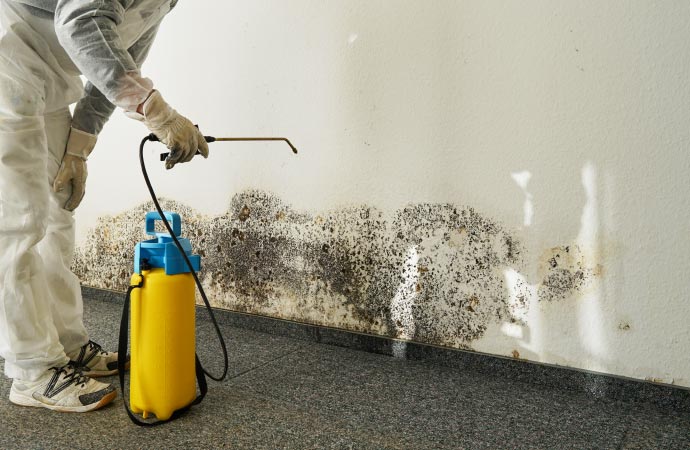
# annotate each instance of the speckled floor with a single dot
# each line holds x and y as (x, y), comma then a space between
(286, 393)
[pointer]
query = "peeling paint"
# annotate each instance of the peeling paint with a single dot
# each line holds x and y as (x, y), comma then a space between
(653, 379)
(433, 273)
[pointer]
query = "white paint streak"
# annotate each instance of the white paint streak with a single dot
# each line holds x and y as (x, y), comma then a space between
(401, 305)
(522, 178)
(524, 306)
(399, 349)
(520, 293)
(512, 330)
(590, 314)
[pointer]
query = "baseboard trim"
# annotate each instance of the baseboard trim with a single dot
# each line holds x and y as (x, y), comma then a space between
(598, 385)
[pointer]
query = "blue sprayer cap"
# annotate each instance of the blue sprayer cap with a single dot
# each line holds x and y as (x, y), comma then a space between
(162, 252)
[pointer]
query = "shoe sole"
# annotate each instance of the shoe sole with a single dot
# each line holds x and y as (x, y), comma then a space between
(23, 400)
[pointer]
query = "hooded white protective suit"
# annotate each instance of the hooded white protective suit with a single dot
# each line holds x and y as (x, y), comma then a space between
(44, 46)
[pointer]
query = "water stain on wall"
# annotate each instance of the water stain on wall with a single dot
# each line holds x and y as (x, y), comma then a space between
(430, 272)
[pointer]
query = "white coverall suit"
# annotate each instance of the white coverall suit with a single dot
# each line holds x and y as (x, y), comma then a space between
(44, 46)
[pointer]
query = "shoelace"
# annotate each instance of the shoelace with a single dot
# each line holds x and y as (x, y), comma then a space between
(93, 348)
(77, 376)
(72, 375)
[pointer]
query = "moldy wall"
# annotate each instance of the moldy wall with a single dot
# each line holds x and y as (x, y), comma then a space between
(506, 177)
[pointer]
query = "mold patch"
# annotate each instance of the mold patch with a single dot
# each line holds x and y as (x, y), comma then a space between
(565, 272)
(105, 261)
(459, 285)
(432, 273)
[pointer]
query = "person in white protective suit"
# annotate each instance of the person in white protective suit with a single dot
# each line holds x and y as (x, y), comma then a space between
(45, 45)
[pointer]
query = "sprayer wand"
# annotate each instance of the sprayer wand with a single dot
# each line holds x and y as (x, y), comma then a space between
(210, 139)
(201, 373)
(152, 138)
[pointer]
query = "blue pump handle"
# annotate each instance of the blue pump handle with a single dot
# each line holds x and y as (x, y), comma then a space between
(173, 219)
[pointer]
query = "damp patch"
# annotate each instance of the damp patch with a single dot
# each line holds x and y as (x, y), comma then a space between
(433, 273)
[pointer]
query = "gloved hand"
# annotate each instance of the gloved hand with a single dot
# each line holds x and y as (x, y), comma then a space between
(73, 168)
(174, 130)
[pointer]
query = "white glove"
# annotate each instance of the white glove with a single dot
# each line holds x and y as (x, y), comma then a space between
(73, 168)
(174, 130)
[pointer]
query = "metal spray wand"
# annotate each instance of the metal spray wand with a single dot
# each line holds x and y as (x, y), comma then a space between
(210, 139)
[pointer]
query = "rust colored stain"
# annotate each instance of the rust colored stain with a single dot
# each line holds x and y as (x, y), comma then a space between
(429, 272)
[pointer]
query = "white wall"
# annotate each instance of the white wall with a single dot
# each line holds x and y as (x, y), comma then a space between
(565, 122)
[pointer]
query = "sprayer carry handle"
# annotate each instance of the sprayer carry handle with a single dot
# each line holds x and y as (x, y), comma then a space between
(173, 219)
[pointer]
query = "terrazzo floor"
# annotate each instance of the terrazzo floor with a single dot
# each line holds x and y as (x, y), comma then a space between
(286, 393)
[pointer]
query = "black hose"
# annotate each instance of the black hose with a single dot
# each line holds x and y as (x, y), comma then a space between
(152, 137)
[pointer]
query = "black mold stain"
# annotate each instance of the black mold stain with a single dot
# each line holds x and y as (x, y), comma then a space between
(566, 273)
(431, 272)
(461, 289)
(106, 260)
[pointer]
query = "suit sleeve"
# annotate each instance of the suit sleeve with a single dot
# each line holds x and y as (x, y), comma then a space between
(88, 31)
(94, 109)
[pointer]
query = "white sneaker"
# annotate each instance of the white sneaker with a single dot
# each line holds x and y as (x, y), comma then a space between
(63, 389)
(94, 361)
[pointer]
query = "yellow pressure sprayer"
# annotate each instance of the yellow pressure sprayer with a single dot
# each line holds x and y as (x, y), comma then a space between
(162, 372)
(164, 365)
